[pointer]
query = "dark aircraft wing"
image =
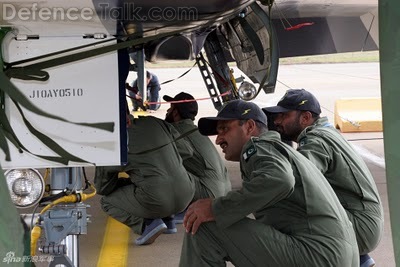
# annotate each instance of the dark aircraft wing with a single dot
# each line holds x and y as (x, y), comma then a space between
(254, 34)
(313, 27)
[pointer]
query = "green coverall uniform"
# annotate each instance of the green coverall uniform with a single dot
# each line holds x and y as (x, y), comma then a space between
(299, 221)
(349, 177)
(159, 185)
(206, 165)
(11, 230)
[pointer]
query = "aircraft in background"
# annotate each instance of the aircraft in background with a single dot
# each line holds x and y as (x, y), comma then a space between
(254, 34)
(54, 50)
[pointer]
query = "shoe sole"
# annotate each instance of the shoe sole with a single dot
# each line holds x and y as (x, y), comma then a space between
(170, 231)
(156, 232)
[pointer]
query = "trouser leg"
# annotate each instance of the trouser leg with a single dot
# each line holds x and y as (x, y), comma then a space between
(245, 243)
(192, 254)
(121, 215)
(368, 228)
(153, 96)
(129, 204)
(251, 243)
(122, 205)
(133, 100)
(11, 230)
(135, 104)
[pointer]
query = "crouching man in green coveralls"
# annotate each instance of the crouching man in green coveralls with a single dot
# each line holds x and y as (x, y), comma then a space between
(206, 165)
(298, 120)
(158, 185)
(209, 172)
(298, 219)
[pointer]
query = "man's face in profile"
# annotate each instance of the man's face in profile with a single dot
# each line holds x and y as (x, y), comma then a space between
(169, 116)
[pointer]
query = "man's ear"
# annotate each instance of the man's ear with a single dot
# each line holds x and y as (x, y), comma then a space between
(176, 114)
(251, 127)
(306, 118)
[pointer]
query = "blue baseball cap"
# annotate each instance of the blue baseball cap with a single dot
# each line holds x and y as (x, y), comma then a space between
(296, 99)
(232, 110)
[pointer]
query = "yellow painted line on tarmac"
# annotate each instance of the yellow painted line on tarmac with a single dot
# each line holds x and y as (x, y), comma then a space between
(114, 251)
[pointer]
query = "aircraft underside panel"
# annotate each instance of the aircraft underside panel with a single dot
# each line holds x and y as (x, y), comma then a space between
(327, 35)
(82, 92)
(54, 18)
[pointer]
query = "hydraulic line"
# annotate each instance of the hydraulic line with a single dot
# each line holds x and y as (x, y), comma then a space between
(74, 198)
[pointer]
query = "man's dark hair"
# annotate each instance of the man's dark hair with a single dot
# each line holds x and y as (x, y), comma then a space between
(261, 126)
(186, 105)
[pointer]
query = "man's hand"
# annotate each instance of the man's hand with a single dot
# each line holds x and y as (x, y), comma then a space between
(130, 88)
(197, 213)
(138, 97)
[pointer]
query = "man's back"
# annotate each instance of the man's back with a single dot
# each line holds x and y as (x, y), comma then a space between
(349, 177)
(206, 163)
(155, 163)
(341, 165)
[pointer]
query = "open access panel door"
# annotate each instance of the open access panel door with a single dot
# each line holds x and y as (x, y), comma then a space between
(84, 91)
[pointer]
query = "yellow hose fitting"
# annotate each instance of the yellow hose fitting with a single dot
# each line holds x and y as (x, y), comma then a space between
(35, 235)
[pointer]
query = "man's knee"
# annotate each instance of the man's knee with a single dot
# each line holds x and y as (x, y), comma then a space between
(105, 204)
